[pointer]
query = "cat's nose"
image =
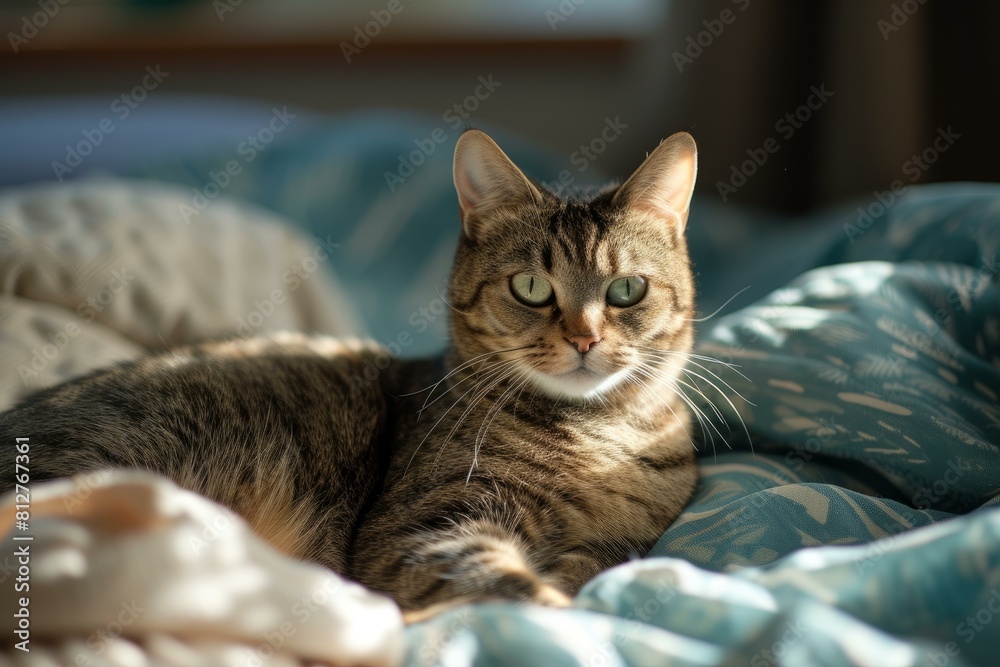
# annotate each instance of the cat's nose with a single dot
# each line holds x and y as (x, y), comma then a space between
(584, 342)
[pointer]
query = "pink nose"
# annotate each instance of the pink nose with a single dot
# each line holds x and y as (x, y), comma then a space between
(584, 342)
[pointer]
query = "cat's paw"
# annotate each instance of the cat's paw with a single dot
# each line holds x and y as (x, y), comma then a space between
(526, 587)
(520, 588)
(550, 596)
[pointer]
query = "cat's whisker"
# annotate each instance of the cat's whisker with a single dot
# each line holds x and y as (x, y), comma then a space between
(702, 357)
(524, 384)
(703, 421)
(671, 383)
(650, 374)
(689, 357)
(464, 364)
(691, 373)
(459, 368)
(630, 378)
(488, 420)
(717, 412)
(496, 378)
(715, 409)
(448, 303)
(446, 412)
(483, 368)
(520, 380)
(728, 301)
(723, 380)
(461, 420)
(746, 431)
(491, 414)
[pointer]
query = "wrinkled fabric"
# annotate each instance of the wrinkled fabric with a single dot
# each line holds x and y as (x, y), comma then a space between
(126, 568)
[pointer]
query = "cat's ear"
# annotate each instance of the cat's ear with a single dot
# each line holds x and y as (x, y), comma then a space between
(485, 179)
(664, 182)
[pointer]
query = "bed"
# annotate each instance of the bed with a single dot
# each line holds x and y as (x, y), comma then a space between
(848, 508)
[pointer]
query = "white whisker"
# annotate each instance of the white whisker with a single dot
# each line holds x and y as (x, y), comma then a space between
(495, 409)
(630, 378)
(648, 372)
(721, 393)
(688, 357)
(728, 301)
(489, 376)
(504, 373)
(459, 368)
(483, 368)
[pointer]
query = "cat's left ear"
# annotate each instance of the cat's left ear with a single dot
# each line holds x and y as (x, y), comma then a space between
(486, 179)
(664, 182)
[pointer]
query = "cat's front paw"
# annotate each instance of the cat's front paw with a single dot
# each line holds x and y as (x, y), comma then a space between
(525, 589)
(550, 596)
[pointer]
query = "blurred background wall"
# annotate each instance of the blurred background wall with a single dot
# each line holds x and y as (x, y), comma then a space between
(808, 102)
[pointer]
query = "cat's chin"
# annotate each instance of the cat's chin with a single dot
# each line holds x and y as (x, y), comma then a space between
(579, 385)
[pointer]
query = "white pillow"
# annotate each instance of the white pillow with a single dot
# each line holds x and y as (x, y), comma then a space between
(96, 271)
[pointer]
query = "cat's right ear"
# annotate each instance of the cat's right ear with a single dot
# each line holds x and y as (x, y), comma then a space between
(486, 179)
(664, 183)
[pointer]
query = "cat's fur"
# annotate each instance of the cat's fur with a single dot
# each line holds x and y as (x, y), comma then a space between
(547, 445)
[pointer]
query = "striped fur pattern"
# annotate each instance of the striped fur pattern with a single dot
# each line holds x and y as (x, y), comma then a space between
(548, 444)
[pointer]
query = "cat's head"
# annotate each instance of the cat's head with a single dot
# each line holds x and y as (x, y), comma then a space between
(581, 297)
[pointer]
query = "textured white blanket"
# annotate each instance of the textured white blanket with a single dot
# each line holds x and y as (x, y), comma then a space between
(100, 271)
(128, 569)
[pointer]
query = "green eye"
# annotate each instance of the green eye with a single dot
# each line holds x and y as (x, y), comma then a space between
(530, 289)
(626, 292)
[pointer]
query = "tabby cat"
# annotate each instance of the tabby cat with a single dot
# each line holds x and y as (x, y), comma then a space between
(549, 443)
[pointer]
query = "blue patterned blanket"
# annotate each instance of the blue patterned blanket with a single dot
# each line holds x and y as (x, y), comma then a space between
(848, 510)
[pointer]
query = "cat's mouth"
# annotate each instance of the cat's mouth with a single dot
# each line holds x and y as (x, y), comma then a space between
(582, 382)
